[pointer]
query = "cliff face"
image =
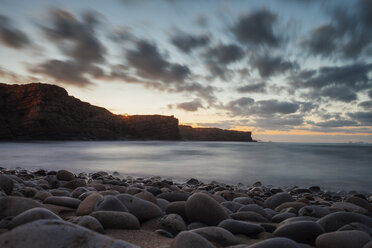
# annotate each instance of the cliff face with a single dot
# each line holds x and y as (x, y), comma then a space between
(213, 134)
(46, 112)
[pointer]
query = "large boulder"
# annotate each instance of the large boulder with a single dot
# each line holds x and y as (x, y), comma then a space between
(343, 239)
(142, 209)
(172, 223)
(177, 207)
(65, 175)
(188, 239)
(173, 196)
(88, 204)
(32, 215)
(14, 205)
(241, 227)
(6, 184)
(248, 216)
(314, 211)
(110, 203)
(116, 220)
(301, 231)
(217, 235)
(89, 222)
(57, 234)
(334, 221)
(64, 201)
(278, 199)
(201, 207)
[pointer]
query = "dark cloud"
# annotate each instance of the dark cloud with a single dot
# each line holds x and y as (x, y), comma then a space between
(364, 118)
(347, 35)
(370, 94)
(253, 88)
(151, 64)
(342, 93)
(366, 105)
(279, 123)
(10, 36)
(334, 123)
(187, 42)
(257, 28)
(268, 66)
(190, 106)
(76, 38)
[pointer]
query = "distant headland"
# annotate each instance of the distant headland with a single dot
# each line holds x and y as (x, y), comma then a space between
(40, 111)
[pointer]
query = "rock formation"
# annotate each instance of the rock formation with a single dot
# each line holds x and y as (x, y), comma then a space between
(213, 134)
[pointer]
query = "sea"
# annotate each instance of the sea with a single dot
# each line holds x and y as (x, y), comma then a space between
(333, 167)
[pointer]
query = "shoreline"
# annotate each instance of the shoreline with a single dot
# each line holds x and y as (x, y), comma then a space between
(160, 212)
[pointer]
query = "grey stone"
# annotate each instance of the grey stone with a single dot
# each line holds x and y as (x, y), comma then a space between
(217, 235)
(14, 205)
(110, 203)
(65, 175)
(172, 223)
(164, 233)
(173, 196)
(177, 207)
(201, 207)
(6, 184)
(356, 226)
(63, 201)
(300, 231)
(368, 245)
(78, 192)
(360, 202)
(42, 195)
(195, 225)
(249, 216)
(57, 234)
(147, 196)
(282, 216)
(334, 221)
(52, 181)
(32, 215)
(243, 200)
(89, 222)
(275, 243)
(278, 199)
(75, 184)
(314, 211)
(343, 239)
(162, 203)
(295, 205)
(88, 204)
(349, 207)
(187, 239)
(241, 227)
(255, 208)
(232, 206)
(116, 220)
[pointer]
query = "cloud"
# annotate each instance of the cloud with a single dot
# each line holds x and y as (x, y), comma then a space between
(268, 66)
(279, 123)
(367, 105)
(334, 123)
(10, 36)
(257, 28)
(253, 88)
(187, 42)
(364, 118)
(322, 40)
(201, 20)
(150, 64)
(190, 106)
(370, 93)
(342, 93)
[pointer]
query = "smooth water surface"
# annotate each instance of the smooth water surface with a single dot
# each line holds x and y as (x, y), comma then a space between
(332, 166)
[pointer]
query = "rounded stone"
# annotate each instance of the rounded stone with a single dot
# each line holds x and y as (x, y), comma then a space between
(116, 220)
(343, 239)
(282, 216)
(360, 202)
(349, 207)
(57, 234)
(241, 227)
(78, 192)
(88, 204)
(300, 231)
(368, 245)
(172, 223)
(356, 226)
(243, 200)
(32, 215)
(249, 216)
(298, 218)
(334, 221)
(143, 210)
(42, 195)
(232, 206)
(110, 203)
(255, 208)
(89, 222)
(63, 201)
(173, 196)
(164, 233)
(275, 243)
(6, 184)
(75, 184)
(314, 211)
(217, 235)
(187, 239)
(65, 175)
(295, 205)
(14, 205)
(28, 191)
(201, 207)
(147, 196)
(177, 207)
(278, 199)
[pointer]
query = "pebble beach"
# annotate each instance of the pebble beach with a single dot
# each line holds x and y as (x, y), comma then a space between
(61, 209)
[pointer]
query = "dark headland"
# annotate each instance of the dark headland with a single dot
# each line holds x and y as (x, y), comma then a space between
(39, 111)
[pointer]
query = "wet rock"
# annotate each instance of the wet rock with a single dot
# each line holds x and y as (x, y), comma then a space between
(65, 175)
(88, 204)
(147, 196)
(89, 222)
(243, 200)
(349, 207)
(173, 196)
(360, 202)
(78, 192)
(334, 221)
(282, 216)
(172, 223)
(32, 215)
(343, 239)
(52, 181)
(201, 207)
(300, 231)
(278, 199)
(14, 205)
(28, 191)
(116, 220)
(187, 239)
(275, 243)
(356, 226)
(177, 207)
(192, 181)
(162, 203)
(249, 216)
(75, 184)
(42, 233)
(241, 227)
(217, 235)
(110, 203)
(63, 201)
(314, 211)
(6, 184)
(143, 210)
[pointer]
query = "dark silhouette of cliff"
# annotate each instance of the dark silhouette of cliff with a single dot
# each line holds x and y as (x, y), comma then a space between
(46, 112)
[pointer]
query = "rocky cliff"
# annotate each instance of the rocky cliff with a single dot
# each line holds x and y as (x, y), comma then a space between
(46, 112)
(213, 134)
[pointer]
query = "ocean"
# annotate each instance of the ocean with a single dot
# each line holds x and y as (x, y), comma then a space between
(332, 166)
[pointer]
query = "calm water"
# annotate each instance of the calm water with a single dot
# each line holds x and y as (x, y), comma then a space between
(332, 166)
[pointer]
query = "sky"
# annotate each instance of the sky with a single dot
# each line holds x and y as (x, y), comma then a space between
(287, 70)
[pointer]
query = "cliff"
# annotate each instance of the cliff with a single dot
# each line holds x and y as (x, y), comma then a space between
(46, 112)
(213, 134)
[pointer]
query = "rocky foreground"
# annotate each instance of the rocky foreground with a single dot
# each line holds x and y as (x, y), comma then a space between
(59, 209)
